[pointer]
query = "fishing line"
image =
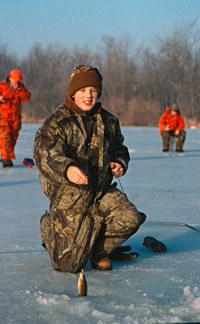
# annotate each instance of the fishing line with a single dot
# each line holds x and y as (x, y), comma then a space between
(165, 223)
(121, 185)
(24, 251)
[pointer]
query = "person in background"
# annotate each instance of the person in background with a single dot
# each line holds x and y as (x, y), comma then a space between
(12, 93)
(172, 124)
(77, 151)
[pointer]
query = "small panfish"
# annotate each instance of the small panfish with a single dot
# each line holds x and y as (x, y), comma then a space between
(82, 285)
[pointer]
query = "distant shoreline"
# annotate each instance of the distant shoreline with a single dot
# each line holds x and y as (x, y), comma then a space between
(42, 120)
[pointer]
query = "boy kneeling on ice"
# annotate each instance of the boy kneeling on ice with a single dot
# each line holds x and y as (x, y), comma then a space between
(77, 151)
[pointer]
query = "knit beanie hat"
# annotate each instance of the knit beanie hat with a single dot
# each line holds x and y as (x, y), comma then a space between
(174, 107)
(85, 76)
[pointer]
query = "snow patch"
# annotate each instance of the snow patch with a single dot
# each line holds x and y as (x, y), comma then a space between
(193, 297)
(102, 316)
(46, 299)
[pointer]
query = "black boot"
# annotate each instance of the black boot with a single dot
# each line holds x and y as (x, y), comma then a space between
(7, 163)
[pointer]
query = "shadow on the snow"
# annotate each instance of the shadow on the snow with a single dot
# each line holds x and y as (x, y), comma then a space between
(16, 183)
(183, 242)
(186, 241)
(18, 166)
(169, 155)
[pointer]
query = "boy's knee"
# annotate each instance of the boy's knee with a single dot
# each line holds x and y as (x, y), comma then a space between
(143, 217)
(134, 220)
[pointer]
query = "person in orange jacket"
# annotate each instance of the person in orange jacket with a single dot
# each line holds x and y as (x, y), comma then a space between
(12, 93)
(171, 123)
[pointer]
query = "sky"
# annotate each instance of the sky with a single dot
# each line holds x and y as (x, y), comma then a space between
(71, 23)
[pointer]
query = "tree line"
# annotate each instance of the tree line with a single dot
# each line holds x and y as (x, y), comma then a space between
(138, 82)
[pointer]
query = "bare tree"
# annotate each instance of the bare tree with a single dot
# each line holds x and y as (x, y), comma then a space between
(119, 71)
(171, 74)
(8, 61)
(138, 84)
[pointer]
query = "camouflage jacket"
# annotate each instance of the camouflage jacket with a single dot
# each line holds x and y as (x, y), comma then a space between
(64, 139)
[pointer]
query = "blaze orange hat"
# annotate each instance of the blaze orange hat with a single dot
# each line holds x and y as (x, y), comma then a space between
(15, 75)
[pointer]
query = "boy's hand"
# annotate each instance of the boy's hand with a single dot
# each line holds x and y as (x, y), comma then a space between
(76, 175)
(116, 169)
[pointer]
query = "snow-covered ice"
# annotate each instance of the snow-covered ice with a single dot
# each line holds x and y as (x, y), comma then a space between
(155, 288)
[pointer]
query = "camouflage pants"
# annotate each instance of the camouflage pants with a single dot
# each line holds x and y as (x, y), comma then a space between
(74, 235)
(166, 135)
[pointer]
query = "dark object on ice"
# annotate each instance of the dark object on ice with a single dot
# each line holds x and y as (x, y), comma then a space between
(118, 254)
(7, 163)
(155, 245)
(29, 162)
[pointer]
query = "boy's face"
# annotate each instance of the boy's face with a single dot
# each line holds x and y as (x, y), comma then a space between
(86, 98)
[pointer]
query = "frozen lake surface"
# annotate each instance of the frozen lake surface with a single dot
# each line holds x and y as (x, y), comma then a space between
(155, 288)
